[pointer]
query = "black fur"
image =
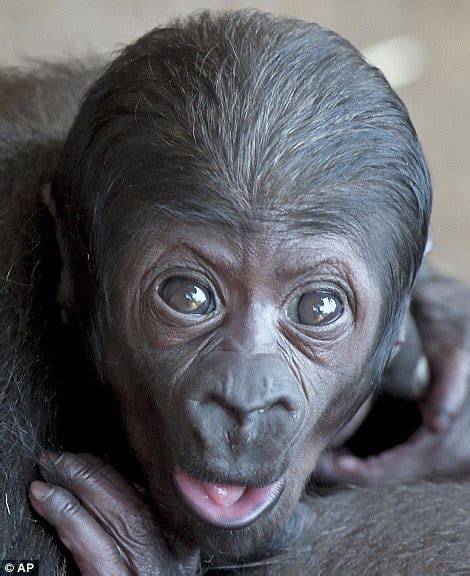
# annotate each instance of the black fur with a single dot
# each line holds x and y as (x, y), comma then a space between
(37, 108)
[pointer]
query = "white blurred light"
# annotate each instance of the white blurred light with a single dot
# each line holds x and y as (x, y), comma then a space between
(402, 59)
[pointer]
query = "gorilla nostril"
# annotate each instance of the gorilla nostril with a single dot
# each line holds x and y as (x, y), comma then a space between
(238, 411)
(284, 403)
(235, 412)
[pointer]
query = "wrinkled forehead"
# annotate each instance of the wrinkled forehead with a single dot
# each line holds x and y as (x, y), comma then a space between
(346, 222)
(263, 250)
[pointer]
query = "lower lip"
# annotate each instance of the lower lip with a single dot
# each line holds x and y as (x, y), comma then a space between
(251, 504)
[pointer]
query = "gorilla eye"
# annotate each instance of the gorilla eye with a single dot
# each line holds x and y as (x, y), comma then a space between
(317, 308)
(187, 296)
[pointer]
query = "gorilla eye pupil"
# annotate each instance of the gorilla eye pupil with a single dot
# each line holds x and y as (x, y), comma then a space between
(187, 296)
(318, 308)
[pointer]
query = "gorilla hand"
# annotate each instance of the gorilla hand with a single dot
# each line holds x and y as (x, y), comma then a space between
(104, 522)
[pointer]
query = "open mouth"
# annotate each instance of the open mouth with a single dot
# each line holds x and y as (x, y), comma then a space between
(224, 505)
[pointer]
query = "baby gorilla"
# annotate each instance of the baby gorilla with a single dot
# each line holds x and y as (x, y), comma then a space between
(241, 208)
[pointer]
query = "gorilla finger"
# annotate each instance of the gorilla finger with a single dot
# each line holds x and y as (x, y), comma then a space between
(120, 510)
(448, 392)
(339, 469)
(88, 543)
(134, 493)
(90, 478)
(404, 462)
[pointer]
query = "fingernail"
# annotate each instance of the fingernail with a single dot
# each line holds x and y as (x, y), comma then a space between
(347, 463)
(39, 490)
(50, 458)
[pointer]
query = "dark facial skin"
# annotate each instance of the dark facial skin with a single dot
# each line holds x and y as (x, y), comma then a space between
(245, 394)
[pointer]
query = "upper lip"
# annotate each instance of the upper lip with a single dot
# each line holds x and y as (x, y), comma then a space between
(256, 479)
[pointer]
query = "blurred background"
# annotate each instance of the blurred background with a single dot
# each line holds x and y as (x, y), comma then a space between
(423, 47)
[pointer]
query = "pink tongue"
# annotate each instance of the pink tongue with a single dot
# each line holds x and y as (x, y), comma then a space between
(223, 494)
(224, 505)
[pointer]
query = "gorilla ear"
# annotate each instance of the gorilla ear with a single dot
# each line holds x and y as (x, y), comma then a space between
(65, 297)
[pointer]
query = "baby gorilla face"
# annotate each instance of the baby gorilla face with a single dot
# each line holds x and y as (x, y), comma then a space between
(235, 360)
(237, 352)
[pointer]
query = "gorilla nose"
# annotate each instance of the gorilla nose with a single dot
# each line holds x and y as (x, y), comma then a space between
(243, 406)
(243, 420)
